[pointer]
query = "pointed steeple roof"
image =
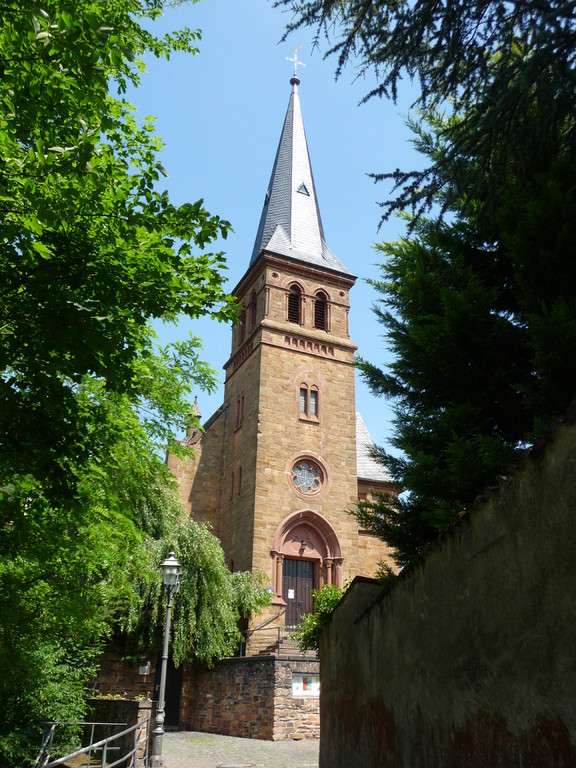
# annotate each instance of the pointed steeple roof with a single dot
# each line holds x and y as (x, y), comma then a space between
(290, 224)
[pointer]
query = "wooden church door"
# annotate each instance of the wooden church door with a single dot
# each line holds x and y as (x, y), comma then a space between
(297, 586)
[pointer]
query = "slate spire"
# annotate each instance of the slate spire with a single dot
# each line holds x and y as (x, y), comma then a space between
(290, 224)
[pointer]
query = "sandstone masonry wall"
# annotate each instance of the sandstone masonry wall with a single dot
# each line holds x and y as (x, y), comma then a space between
(200, 477)
(119, 678)
(469, 659)
(249, 697)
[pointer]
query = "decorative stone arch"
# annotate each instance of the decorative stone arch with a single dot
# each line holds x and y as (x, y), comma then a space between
(306, 535)
(289, 280)
(309, 374)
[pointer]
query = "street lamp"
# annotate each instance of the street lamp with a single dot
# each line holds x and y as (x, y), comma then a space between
(171, 571)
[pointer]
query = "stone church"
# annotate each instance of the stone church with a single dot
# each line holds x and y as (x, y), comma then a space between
(277, 469)
(279, 465)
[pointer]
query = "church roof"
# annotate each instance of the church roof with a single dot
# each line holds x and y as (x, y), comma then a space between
(290, 224)
(367, 468)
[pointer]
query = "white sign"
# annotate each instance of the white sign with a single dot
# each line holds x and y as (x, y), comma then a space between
(290, 594)
(305, 686)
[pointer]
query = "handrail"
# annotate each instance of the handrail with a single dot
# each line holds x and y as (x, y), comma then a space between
(46, 746)
(103, 744)
(248, 633)
(45, 741)
(267, 622)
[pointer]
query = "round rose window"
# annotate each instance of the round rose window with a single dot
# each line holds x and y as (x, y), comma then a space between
(307, 476)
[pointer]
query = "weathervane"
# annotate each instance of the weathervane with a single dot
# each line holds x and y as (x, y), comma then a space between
(295, 61)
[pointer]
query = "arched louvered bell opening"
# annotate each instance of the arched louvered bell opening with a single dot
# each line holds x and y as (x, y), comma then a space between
(320, 311)
(294, 304)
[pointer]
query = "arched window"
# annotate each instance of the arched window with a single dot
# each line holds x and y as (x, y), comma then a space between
(309, 402)
(252, 312)
(239, 410)
(313, 402)
(295, 305)
(242, 327)
(321, 311)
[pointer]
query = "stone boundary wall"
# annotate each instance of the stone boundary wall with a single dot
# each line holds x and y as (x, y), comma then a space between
(469, 660)
(249, 697)
(118, 677)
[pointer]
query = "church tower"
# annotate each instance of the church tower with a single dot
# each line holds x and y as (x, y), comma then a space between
(276, 468)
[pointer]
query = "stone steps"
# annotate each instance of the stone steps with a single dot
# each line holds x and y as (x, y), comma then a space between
(287, 646)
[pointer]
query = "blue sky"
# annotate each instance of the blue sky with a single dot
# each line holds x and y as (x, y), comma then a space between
(220, 114)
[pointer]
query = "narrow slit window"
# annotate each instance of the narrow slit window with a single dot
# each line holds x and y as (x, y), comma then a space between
(242, 327)
(252, 312)
(239, 410)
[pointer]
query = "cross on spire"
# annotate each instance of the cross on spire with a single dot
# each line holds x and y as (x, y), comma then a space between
(295, 61)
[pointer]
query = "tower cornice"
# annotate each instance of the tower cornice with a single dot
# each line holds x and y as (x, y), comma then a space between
(311, 271)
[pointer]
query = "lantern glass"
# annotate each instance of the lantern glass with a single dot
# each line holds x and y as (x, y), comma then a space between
(171, 570)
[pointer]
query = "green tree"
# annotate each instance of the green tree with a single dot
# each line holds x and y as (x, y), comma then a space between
(210, 601)
(486, 60)
(92, 251)
(325, 601)
(85, 572)
(480, 316)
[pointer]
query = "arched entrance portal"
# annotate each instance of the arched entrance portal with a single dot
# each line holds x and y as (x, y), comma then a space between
(306, 555)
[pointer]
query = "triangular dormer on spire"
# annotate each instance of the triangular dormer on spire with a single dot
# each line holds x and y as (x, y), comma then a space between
(290, 224)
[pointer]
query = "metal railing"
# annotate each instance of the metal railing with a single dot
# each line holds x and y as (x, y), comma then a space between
(277, 641)
(98, 753)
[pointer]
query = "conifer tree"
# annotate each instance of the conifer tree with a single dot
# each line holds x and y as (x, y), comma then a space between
(479, 309)
(479, 298)
(485, 60)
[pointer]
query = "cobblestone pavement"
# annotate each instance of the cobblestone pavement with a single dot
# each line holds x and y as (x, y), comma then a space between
(190, 749)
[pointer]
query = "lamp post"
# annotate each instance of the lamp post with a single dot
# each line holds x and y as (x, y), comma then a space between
(171, 571)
